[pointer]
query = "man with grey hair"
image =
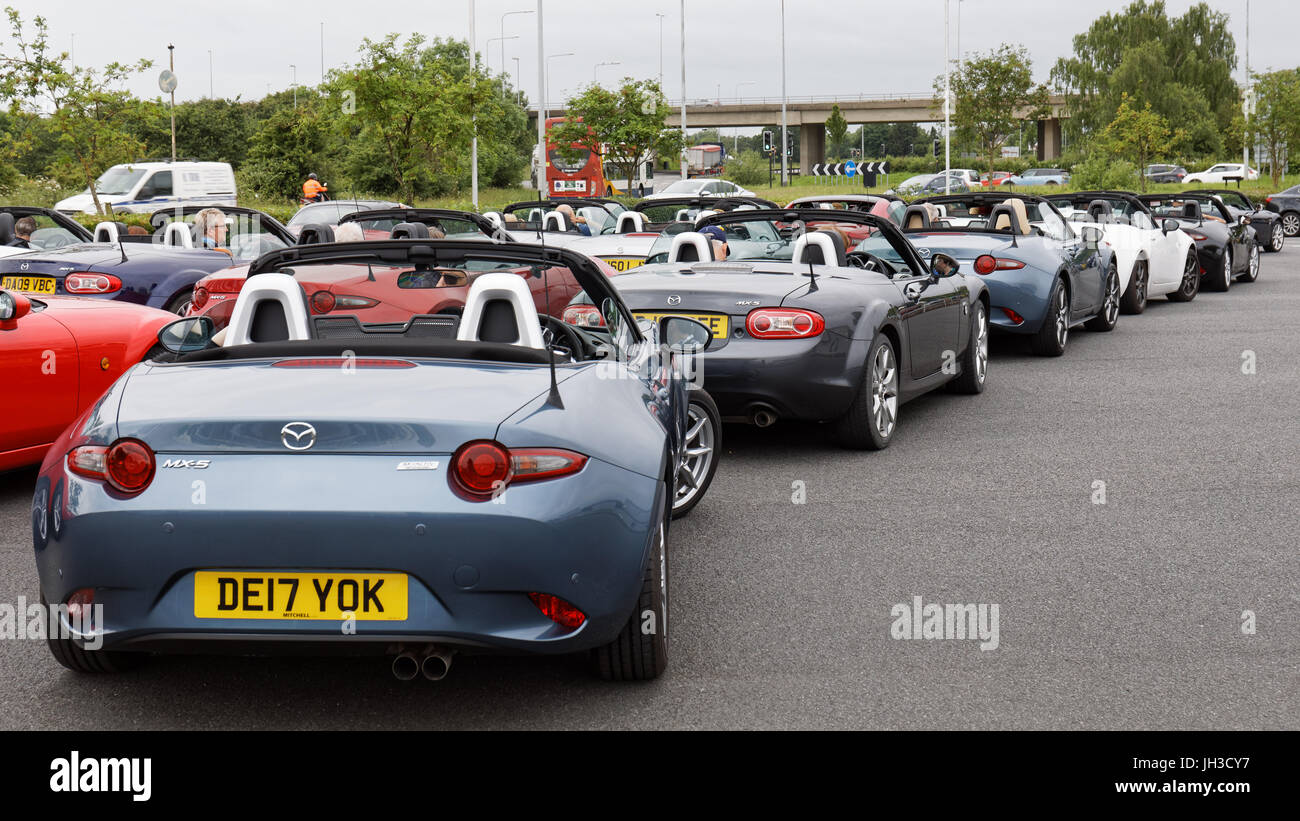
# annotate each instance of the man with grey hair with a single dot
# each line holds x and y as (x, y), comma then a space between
(348, 232)
(210, 229)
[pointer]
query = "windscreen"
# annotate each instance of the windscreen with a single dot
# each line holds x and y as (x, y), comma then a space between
(119, 179)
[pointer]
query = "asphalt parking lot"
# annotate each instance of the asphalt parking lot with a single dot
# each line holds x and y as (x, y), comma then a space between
(1121, 606)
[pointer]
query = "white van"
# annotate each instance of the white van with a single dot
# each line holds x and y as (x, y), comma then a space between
(145, 187)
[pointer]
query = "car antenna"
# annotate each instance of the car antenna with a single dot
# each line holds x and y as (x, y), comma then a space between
(553, 399)
(121, 246)
(812, 278)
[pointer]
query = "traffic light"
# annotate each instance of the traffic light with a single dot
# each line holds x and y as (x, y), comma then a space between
(789, 145)
(936, 149)
(767, 142)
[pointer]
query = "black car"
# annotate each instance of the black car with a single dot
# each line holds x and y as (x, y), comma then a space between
(1225, 243)
(1269, 232)
(1287, 204)
(1165, 173)
(805, 329)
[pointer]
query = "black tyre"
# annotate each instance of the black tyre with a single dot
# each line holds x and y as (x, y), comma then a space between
(1277, 237)
(180, 303)
(1135, 298)
(640, 652)
(1191, 284)
(1055, 332)
(873, 417)
(79, 660)
(1290, 223)
(1221, 279)
(1252, 266)
(975, 362)
(1109, 315)
(703, 444)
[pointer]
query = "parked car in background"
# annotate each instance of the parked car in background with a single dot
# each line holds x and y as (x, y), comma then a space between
(1269, 232)
(996, 178)
(1225, 245)
(1164, 173)
(702, 188)
(1223, 172)
(144, 187)
(330, 213)
(1287, 204)
(910, 186)
(1041, 176)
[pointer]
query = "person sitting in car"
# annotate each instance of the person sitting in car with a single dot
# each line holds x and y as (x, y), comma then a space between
(23, 229)
(578, 221)
(210, 229)
(718, 239)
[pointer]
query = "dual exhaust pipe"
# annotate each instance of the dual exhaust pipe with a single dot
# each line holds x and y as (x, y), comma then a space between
(434, 663)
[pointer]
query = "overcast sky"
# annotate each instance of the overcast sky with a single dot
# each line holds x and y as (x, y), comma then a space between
(832, 46)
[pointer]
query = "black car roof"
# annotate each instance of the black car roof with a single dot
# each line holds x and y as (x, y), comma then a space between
(62, 220)
(421, 215)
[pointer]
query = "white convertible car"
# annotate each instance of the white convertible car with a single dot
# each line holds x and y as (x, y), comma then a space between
(1155, 257)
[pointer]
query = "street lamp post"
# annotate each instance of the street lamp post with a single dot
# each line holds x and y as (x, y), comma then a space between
(683, 157)
(1245, 105)
(546, 103)
(947, 100)
(487, 50)
(295, 84)
(503, 34)
(519, 93)
(785, 135)
(211, 96)
(473, 80)
(540, 161)
(661, 48)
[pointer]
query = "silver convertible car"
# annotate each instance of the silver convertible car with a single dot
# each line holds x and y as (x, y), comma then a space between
(479, 479)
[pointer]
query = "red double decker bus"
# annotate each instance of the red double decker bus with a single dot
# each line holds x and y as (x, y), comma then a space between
(583, 176)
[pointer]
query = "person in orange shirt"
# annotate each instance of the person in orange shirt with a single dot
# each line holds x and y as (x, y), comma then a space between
(313, 190)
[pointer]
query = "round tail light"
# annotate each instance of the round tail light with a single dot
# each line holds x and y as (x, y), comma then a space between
(129, 465)
(481, 468)
(985, 264)
(199, 299)
(322, 302)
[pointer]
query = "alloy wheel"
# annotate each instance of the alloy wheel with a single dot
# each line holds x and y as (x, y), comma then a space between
(1291, 224)
(981, 345)
(1254, 263)
(1279, 237)
(697, 457)
(884, 391)
(1062, 318)
(1141, 285)
(1190, 273)
(1110, 309)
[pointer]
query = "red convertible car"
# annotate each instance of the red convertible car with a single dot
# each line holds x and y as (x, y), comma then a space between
(58, 354)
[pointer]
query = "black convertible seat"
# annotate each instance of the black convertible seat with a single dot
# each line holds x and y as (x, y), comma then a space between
(410, 230)
(1191, 210)
(916, 217)
(7, 234)
(315, 233)
(1100, 211)
(374, 345)
(422, 326)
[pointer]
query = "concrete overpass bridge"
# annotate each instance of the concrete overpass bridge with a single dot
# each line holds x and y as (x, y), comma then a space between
(809, 115)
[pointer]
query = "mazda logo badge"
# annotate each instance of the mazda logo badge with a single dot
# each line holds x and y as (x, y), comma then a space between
(674, 300)
(298, 436)
(22, 267)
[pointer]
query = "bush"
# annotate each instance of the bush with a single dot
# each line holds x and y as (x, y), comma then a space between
(750, 168)
(1102, 172)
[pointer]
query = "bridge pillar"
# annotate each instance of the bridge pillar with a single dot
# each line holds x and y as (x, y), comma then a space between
(1049, 139)
(812, 145)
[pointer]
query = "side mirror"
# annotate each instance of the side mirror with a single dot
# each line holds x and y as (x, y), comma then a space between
(1243, 220)
(1091, 234)
(684, 335)
(13, 306)
(187, 335)
(1259, 206)
(1168, 226)
(942, 265)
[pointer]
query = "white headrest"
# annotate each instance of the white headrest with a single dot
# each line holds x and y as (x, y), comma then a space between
(819, 239)
(705, 212)
(494, 218)
(554, 221)
(512, 289)
(683, 215)
(630, 221)
(179, 235)
(690, 246)
(256, 296)
(106, 231)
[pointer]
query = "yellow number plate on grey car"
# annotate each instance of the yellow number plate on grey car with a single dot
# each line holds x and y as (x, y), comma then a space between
(718, 324)
(621, 264)
(222, 594)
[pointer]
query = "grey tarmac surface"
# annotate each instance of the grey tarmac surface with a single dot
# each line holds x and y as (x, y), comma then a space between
(1123, 615)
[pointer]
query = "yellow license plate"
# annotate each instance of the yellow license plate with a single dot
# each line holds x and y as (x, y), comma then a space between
(716, 323)
(624, 264)
(29, 285)
(220, 594)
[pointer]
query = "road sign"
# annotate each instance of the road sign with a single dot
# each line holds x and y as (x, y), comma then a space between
(167, 82)
(850, 168)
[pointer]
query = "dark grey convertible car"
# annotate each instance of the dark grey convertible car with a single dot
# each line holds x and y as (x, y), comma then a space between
(805, 329)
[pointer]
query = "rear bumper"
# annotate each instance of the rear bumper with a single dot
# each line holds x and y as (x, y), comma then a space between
(469, 565)
(1024, 291)
(806, 379)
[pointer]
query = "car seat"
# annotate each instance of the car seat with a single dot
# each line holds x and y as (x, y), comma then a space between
(270, 308)
(500, 308)
(690, 246)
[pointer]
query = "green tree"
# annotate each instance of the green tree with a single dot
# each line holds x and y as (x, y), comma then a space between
(1137, 134)
(1182, 66)
(624, 127)
(1275, 121)
(991, 93)
(287, 147)
(837, 128)
(86, 107)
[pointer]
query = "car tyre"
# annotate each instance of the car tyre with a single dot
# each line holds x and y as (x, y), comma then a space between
(1277, 238)
(1252, 266)
(1135, 298)
(1191, 284)
(1291, 223)
(180, 303)
(80, 660)
(703, 444)
(1221, 280)
(873, 417)
(1055, 331)
(975, 362)
(640, 651)
(1106, 319)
